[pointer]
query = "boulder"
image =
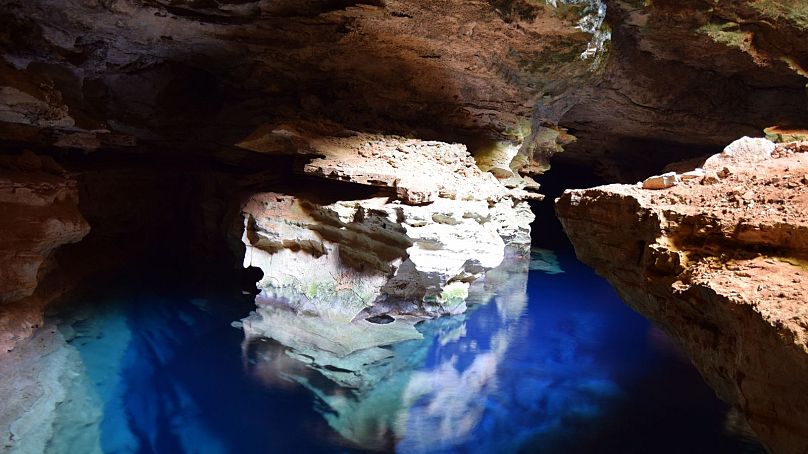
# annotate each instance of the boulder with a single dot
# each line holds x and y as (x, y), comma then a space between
(663, 181)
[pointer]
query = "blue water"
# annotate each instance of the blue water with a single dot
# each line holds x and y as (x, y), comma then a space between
(552, 363)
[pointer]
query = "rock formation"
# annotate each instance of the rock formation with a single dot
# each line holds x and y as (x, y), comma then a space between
(436, 224)
(39, 206)
(684, 78)
(383, 150)
(513, 80)
(720, 263)
(622, 76)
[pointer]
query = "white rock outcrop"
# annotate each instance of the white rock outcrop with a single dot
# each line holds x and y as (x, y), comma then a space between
(437, 224)
(663, 181)
(743, 151)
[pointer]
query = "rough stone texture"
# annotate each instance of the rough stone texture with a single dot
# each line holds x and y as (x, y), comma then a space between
(116, 74)
(419, 171)
(495, 74)
(663, 181)
(513, 80)
(722, 268)
(38, 202)
(744, 152)
(684, 78)
(339, 258)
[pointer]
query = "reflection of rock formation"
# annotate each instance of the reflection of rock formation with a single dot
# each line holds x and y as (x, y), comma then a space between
(720, 266)
(437, 225)
(365, 373)
(333, 348)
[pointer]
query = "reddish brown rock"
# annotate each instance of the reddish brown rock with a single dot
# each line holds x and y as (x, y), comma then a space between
(722, 268)
(38, 202)
(533, 74)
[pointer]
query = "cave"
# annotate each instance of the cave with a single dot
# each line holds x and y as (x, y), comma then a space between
(403, 226)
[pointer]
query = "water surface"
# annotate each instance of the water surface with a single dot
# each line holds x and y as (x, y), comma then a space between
(552, 362)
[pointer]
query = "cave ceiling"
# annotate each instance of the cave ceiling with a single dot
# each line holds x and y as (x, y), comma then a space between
(225, 77)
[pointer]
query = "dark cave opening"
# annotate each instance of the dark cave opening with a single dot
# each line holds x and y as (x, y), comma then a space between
(546, 231)
(159, 217)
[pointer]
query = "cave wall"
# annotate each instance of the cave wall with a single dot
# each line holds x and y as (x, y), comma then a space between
(683, 79)
(154, 92)
(39, 213)
(215, 76)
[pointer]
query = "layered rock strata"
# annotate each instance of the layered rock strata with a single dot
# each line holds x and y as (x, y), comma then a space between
(718, 261)
(38, 202)
(435, 224)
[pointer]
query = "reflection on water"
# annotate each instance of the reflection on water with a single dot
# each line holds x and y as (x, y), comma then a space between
(425, 392)
(546, 361)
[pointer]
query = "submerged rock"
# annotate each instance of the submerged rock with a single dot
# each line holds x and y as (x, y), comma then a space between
(46, 394)
(544, 260)
(721, 267)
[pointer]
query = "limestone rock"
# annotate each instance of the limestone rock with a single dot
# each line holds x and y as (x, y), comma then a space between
(710, 177)
(46, 395)
(419, 171)
(336, 260)
(663, 181)
(375, 254)
(39, 206)
(742, 151)
(692, 174)
(724, 276)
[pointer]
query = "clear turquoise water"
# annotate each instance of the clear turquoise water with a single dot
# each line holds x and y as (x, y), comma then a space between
(553, 363)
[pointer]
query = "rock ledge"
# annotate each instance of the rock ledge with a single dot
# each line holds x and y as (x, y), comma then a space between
(721, 266)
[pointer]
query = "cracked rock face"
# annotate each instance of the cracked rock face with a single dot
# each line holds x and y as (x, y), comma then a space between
(414, 249)
(308, 95)
(746, 59)
(719, 263)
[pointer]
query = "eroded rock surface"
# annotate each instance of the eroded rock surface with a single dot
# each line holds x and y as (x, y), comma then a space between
(122, 73)
(437, 224)
(499, 75)
(685, 78)
(39, 206)
(719, 263)
(45, 390)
